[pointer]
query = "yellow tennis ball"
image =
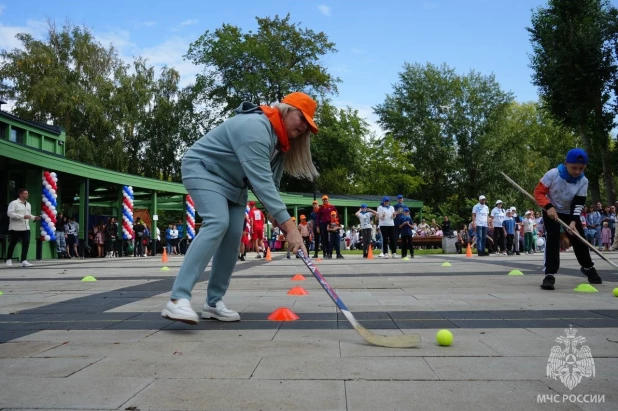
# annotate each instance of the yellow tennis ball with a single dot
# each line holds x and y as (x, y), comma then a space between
(615, 292)
(444, 338)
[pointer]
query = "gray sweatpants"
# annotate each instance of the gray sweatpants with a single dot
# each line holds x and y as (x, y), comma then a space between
(218, 240)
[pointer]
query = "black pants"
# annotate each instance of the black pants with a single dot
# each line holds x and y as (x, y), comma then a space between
(138, 250)
(388, 236)
(17, 236)
(326, 246)
(406, 244)
(509, 242)
(335, 243)
(316, 241)
(366, 240)
(306, 242)
(552, 249)
(499, 239)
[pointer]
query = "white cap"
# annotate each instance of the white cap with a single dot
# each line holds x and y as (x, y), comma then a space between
(498, 202)
(528, 212)
(481, 198)
(513, 209)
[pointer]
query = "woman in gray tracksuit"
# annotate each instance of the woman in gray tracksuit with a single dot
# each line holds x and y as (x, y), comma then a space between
(252, 148)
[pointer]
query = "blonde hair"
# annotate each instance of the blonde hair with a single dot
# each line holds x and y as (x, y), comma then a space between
(297, 161)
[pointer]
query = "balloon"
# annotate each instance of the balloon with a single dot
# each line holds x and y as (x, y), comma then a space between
(55, 196)
(47, 238)
(55, 212)
(47, 220)
(52, 191)
(48, 203)
(540, 242)
(45, 173)
(53, 174)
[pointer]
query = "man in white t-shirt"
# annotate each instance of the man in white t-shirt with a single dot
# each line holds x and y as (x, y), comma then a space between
(386, 221)
(480, 215)
(498, 215)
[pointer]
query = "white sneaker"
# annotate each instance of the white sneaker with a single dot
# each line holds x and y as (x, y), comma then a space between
(26, 264)
(9, 263)
(220, 312)
(395, 255)
(385, 255)
(381, 255)
(180, 311)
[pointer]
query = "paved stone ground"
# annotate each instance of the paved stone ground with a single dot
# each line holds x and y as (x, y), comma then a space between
(67, 344)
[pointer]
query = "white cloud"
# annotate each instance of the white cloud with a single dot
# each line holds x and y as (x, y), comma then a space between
(189, 22)
(170, 53)
(119, 39)
(7, 33)
(324, 9)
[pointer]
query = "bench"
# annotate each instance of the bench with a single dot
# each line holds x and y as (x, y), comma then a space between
(418, 241)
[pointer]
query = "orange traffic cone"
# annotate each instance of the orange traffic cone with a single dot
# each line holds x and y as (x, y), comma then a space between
(298, 277)
(469, 251)
(370, 253)
(268, 257)
(283, 314)
(164, 258)
(298, 291)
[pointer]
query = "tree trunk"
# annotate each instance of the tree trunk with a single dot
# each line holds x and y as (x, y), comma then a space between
(593, 176)
(608, 178)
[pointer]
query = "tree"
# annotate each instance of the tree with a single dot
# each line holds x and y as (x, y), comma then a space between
(575, 67)
(446, 122)
(261, 67)
(67, 80)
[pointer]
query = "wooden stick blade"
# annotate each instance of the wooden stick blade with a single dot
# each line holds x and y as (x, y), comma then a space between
(391, 341)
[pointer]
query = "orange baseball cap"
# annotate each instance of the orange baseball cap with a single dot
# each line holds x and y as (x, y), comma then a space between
(305, 104)
(324, 197)
(302, 217)
(293, 218)
(333, 213)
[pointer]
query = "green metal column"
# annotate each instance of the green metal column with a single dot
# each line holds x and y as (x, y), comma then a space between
(296, 213)
(83, 215)
(345, 217)
(153, 228)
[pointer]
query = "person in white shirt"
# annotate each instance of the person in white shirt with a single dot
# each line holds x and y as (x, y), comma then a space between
(20, 215)
(498, 215)
(365, 215)
(174, 234)
(386, 221)
(480, 214)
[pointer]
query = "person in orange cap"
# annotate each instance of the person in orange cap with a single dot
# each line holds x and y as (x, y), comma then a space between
(335, 241)
(256, 220)
(325, 212)
(251, 149)
(304, 230)
(314, 223)
(288, 254)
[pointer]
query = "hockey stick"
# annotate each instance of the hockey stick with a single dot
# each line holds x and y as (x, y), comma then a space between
(562, 223)
(392, 341)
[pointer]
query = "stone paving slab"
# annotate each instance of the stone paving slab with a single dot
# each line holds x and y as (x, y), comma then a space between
(448, 395)
(69, 393)
(248, 395)
(43, 367)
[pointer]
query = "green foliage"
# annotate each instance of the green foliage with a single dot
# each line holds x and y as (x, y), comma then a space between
(261, 67)
(575, 44)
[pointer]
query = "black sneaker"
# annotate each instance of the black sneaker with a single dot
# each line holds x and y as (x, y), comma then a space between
(315, 256)
(517, 253)
(339, 256)
(548, 282)
(258, 256)
(593, 276)
(242, 258)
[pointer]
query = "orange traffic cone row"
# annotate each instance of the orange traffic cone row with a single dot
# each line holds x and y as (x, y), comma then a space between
(469, 251)
(370, 253)
(268, 257)
(298, 277)
(283, 314)
(298, 291)
(164, 257)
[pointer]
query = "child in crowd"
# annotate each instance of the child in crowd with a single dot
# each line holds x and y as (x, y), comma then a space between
(405, 229)
(606, 236)
(529, 224)
(509, 228)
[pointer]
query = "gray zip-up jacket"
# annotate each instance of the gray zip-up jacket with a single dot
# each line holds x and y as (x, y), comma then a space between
(244, 146)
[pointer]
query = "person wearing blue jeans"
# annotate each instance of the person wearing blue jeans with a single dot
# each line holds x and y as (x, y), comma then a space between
(252, 149)
(480, 213)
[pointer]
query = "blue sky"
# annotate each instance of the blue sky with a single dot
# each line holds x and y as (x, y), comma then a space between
(374, 39)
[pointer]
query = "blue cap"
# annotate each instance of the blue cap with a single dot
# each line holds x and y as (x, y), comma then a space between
(363, 205)
(577, 156)
(385, 198)
(406, 210)
(399, 196)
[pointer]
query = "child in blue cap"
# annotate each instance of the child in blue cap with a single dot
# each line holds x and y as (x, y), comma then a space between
(405, 228)
(562, 193)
